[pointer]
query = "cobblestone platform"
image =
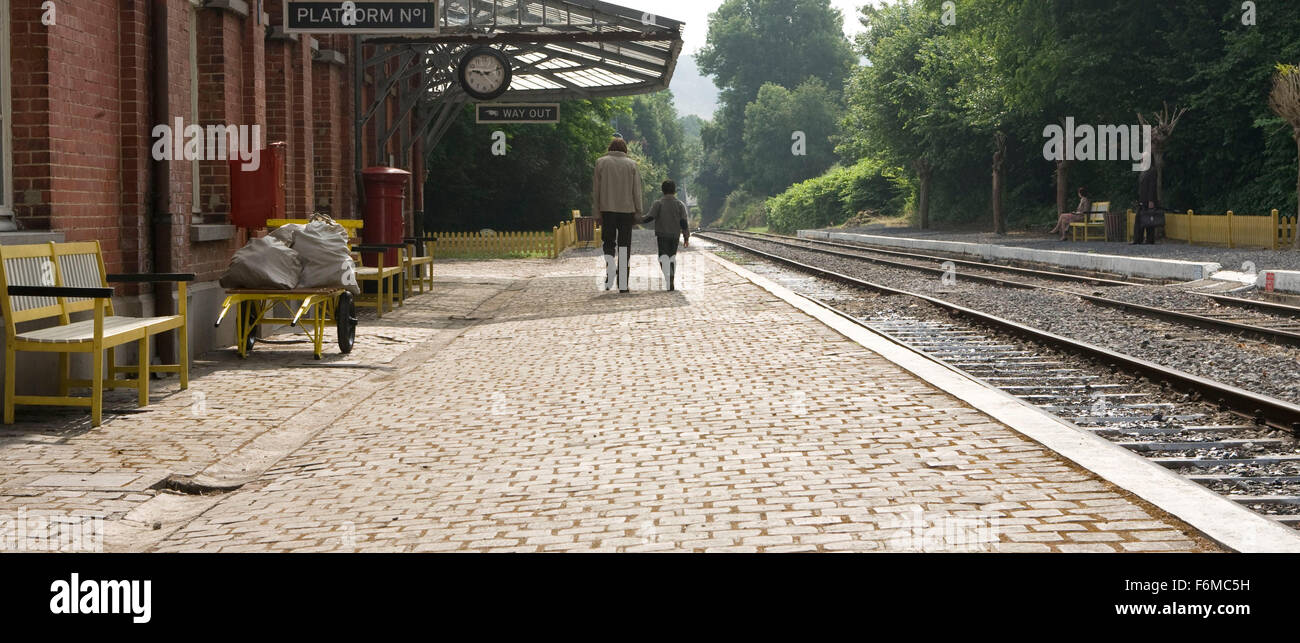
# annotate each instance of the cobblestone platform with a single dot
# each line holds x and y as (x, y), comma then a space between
(519, 408)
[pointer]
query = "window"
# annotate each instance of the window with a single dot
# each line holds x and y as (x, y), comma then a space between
(6, 137)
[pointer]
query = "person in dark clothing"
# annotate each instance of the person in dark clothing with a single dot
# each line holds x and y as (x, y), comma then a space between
(669, 216)
(1144, 228)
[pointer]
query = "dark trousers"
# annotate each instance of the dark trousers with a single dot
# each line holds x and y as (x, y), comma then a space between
(1144, 227)
(667, 246)
(616, 230)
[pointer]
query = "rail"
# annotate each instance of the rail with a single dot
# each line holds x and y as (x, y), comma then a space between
(1278, 413)
(1263, 333)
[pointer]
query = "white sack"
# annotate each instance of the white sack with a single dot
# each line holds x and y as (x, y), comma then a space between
(287, 233)
(326, 260)
(264, 264)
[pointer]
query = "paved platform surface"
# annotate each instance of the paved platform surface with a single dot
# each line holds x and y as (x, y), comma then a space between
(519, 408)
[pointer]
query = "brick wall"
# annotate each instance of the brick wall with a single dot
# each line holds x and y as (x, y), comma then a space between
(30, 92)
(83, 124)
(327, 121)
(134, 135)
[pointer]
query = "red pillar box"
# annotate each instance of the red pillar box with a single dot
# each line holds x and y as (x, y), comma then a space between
(385, 197)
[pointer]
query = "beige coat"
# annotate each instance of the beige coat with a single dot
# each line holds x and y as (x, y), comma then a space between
(616, 184)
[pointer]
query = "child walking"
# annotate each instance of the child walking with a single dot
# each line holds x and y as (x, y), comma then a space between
(669, 216)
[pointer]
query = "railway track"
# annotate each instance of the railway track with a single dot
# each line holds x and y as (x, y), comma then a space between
(1051, 275)
(1235, 442)
(1253, 319)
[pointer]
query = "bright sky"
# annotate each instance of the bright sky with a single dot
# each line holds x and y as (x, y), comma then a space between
(695, 13)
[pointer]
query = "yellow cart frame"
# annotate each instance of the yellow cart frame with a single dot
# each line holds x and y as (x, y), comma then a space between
(315, 306)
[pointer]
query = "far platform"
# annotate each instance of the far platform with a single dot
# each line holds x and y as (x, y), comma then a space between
(1173, 260)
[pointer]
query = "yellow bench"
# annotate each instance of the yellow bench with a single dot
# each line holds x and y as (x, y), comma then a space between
(417, 275)
(58, 280)
(1096, 221)
(385, 277)
(351, 225)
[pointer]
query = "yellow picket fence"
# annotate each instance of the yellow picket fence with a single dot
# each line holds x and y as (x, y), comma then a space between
(461, 245)
(1230, 229)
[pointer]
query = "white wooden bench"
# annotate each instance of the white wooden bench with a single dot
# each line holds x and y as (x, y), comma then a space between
(58, 280)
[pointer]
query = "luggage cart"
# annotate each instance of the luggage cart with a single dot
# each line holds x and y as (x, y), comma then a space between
(314, 306)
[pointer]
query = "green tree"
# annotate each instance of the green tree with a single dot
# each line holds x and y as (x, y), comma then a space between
(752, 43)
(901, 107)
(1285, 102)
(545, 173)
(787, 135)
(652, 121)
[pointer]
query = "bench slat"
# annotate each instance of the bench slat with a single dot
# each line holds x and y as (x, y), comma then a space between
(84, 331)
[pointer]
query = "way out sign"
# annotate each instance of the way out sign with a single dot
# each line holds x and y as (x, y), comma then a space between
(361, 16)
(518, 113)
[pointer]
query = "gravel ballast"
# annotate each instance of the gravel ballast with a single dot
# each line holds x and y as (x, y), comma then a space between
(1264, 368)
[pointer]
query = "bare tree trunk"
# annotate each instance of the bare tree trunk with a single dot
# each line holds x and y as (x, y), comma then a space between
(1000, 148)
(1062, 185)
(1295, 242)
(999, 226)
(925, 172)
(1158, 158)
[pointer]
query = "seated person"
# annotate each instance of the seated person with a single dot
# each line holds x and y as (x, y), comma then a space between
(1079, 215)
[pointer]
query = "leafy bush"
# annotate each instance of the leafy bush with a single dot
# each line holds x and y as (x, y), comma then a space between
(833, 197)
(742, 211)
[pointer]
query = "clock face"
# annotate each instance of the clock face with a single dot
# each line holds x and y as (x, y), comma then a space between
(485, 73)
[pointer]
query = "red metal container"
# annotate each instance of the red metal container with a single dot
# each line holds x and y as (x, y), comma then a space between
(385, 207)
(258, 195)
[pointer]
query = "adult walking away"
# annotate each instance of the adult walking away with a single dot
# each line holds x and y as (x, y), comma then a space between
(1149, 210)
(1080, 214)
(669, 216)
(616, 197)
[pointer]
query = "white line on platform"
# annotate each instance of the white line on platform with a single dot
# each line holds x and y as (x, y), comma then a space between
(1218, 518)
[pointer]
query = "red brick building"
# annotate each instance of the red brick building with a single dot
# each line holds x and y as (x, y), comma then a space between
(83, 83)
(85, 86)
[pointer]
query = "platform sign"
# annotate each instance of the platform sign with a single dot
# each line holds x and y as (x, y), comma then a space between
(504, 113)
(1270, 281)
(361, 16)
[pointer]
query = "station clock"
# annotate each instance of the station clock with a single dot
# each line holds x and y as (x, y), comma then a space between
(484, 73)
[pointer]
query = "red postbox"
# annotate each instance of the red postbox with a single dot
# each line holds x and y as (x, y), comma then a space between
(385, 204)
(258, 195)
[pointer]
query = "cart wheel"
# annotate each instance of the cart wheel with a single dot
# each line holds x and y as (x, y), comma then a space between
(345, 320)
(247, 313)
